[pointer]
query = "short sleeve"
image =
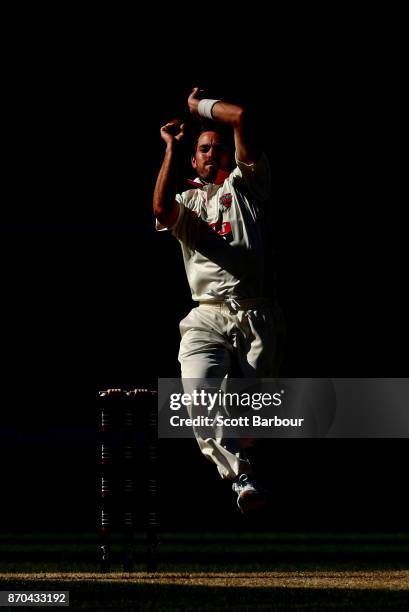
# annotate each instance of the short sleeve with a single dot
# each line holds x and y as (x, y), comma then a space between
(187, 226)
(257, 177)
(162, 228)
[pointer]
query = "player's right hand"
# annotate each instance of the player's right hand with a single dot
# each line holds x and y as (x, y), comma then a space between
(173, 130)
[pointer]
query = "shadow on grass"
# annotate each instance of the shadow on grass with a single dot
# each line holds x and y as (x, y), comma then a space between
(96, 595)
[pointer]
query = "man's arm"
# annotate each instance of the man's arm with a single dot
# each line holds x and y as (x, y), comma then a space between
(165, 207)
(248, 150)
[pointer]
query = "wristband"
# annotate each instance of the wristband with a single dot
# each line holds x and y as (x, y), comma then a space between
(205, 108)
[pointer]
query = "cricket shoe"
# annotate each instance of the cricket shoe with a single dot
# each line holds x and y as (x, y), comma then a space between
(250, 497)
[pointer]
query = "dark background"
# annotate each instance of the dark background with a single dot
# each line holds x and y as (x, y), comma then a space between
(92, 297)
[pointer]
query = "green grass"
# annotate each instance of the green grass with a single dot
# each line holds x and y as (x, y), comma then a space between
(218, 571)
(210, 551)
(375, 591)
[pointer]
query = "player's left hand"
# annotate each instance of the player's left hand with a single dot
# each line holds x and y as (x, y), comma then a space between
(194, 99)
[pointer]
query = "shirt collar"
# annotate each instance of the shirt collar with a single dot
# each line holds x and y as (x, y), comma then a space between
(200, 183)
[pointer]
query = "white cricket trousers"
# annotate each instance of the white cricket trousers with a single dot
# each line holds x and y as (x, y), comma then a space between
(240, 339)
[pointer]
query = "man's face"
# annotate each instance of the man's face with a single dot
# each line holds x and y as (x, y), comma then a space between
(211, 155)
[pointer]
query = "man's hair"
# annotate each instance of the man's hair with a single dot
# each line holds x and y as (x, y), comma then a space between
(206, 125)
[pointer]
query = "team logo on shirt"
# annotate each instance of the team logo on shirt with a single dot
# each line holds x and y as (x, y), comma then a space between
(226, 200)
(223, 229)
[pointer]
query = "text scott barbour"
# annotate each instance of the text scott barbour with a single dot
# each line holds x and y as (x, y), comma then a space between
(242, 421)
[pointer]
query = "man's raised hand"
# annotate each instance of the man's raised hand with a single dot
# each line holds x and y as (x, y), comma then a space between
(173, 130)
(193, 100)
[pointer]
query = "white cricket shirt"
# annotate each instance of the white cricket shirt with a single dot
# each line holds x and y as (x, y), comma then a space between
(221, 232)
